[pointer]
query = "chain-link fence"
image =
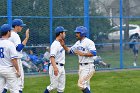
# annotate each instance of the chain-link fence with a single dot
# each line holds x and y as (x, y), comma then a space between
(110, 23)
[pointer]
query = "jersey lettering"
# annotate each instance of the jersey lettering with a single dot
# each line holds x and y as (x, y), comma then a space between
(1, 52)
(81, 48)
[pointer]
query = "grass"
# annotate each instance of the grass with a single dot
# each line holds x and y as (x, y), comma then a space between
(109, 56)
(102, 82)
(137, 22)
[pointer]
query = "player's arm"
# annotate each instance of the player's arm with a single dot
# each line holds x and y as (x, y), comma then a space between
(52, 59)
(14, 56)
(19, 47)
(88, 54)
(15, 64)
(26, 38)
(64, 46)
(53, 52)
(91, 50)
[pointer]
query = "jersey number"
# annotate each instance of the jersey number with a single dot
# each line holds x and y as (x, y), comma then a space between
(1, 52)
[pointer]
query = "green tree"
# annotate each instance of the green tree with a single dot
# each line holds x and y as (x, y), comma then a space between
(39, 23)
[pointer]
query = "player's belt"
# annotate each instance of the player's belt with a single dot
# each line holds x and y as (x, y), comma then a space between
(82, 64)
(11, 66)
(60, 64)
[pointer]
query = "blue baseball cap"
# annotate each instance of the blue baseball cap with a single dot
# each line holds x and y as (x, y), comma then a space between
(18, 22)
(5, 28)
(60, 29)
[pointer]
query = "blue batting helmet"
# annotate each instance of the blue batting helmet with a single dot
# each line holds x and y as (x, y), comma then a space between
(82, 30)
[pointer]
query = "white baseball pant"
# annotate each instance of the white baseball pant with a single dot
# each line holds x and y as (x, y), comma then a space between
(20, 79)
(85, 74)
(8, 76)
(57, 82)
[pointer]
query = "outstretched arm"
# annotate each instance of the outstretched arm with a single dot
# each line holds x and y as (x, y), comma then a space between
(26, 38)
(21, 46)
(89, 54)
(62, 42)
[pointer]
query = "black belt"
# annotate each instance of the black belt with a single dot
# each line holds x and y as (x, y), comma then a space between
(60, 64)
(11, 66)
(83, 64)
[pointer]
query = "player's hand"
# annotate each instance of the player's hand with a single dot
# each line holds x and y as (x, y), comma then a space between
(18, 74)
(56, 71)
(62, 42)
(77, 52)
(27, 33)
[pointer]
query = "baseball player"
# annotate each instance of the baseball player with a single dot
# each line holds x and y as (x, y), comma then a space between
(85, 49)
(57, 61)
(9, 69)
(134, 39)
(18, 24)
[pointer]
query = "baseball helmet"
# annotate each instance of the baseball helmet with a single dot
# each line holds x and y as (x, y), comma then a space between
(82, 30)
(60, 29)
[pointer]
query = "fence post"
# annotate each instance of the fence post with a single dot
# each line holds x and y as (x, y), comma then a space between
(86, 15)
(9, 11)
(121, 40)
(51, 19)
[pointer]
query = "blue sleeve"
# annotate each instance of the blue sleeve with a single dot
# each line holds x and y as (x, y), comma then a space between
(19, 47)
(72, 49)
(71, 52)
(93, 52)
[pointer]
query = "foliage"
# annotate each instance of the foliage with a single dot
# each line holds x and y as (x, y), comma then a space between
(134, 21)
(39, 25)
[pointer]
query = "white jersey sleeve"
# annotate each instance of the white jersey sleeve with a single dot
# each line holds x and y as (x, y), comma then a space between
(15, 38)
(58, 52)
(12, 51)
(54, 49)
(91, 46)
